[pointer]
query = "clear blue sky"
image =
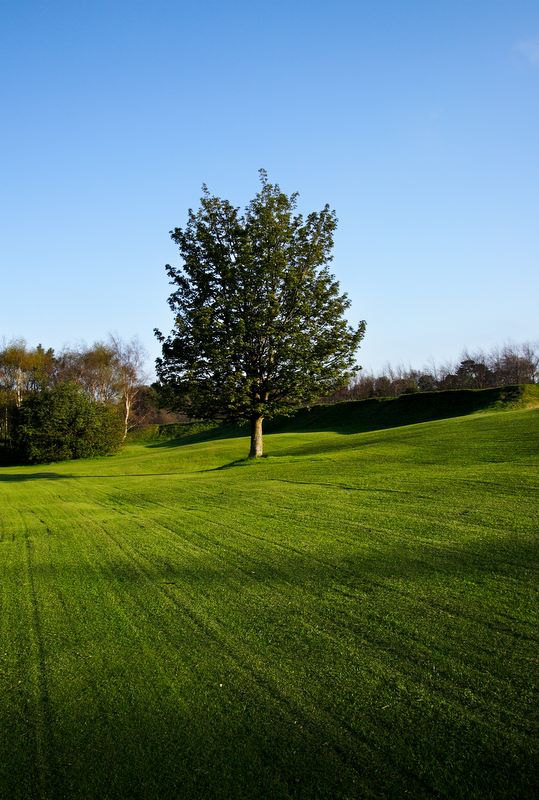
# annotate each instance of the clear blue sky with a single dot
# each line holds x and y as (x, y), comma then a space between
(417, 121)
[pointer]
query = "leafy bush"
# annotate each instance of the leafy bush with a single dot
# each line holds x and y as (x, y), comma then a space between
(63, 423)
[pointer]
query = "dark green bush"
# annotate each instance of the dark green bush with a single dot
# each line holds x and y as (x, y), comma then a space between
(63, 423)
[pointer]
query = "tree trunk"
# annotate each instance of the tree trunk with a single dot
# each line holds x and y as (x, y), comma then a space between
(127, 412)
(256, 437)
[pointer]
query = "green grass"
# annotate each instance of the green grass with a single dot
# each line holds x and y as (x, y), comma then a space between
(359, 416)
(353, 616)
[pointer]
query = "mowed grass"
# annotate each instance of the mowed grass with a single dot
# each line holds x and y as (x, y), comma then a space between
(353, 616)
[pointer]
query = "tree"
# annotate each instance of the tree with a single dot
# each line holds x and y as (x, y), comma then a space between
(473, 374)
(259, 321)
(92, 368)
(64, 423)
(516, 364)
(109, 372)
(23, 372)
(130, 377)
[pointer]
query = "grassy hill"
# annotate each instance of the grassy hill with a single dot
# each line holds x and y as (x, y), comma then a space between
(352, 616)
(359, 416)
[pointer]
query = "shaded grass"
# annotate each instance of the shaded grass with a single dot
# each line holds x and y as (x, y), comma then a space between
(352, 616)
(356, 416)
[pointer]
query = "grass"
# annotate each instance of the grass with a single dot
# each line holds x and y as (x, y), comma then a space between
(351, 617)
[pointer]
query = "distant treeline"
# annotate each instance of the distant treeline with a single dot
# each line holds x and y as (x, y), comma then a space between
(84, 400)
(502, 366)
(97, 389)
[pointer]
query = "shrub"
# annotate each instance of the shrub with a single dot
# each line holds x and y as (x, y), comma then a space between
(63, 423)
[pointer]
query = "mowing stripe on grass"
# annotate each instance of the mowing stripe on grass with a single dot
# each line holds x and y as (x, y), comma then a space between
(353, 616)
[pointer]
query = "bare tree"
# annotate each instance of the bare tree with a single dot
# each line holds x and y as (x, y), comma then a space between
(510, 364)
(92, 368)
(130, 376)
(110, 372)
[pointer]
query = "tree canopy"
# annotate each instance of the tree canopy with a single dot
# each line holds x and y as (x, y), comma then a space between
(259, 325)
(62, 423)
(109, 374)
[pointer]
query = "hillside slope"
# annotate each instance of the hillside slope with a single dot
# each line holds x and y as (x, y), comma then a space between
(354, 616)
(367, 415)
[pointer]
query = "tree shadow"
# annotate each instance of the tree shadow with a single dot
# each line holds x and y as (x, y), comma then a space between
(11, 477)
(358, 416)
(239, 462)
(224, 431)
(349, 417)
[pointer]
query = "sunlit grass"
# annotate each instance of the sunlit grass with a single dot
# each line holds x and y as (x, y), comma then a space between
(352, 616)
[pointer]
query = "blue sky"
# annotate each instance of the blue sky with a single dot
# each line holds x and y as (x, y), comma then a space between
(417, 121)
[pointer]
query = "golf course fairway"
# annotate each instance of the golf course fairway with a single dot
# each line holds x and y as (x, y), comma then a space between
(353, 616)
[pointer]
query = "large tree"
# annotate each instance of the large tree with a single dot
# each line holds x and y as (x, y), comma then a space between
(259, 325)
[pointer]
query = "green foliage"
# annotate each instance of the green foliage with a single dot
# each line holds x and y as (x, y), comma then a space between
(259, 320)
(64, 423)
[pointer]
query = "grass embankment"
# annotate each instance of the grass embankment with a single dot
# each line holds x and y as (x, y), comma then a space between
(408, 409)
(352, 616)
(359, 416)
